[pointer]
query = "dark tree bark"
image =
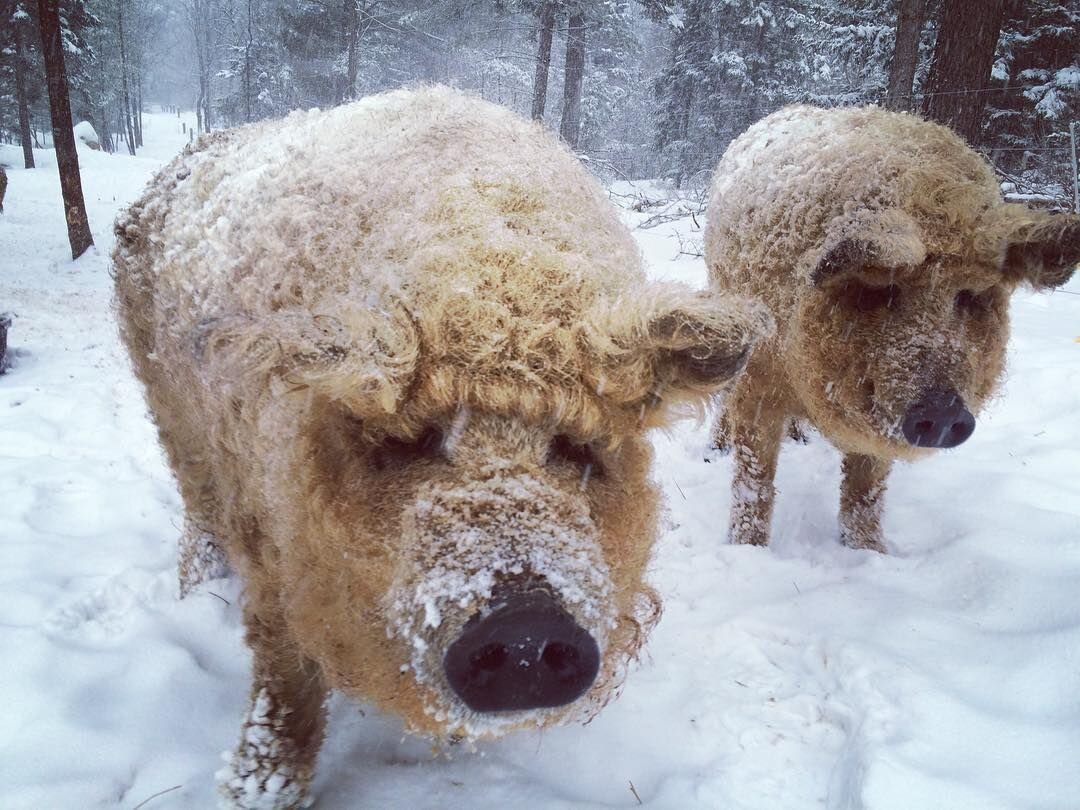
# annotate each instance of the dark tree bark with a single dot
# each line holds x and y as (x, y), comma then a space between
(25, 137)
(960, 71)
(543, 60)
(67, 159)
(910, 17)
(573, 76)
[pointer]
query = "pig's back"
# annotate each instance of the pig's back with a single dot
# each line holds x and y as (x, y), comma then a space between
(782, 182)
(357, 201)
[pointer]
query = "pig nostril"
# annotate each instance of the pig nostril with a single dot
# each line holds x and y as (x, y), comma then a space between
(562, 660)
(489, 658)
(959, 427)
(924, 426)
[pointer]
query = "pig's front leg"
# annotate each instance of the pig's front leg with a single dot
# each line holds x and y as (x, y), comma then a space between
(756, 430)
(861, 500)
(283, 729)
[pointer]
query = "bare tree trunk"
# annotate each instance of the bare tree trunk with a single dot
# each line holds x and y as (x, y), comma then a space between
(100, 122)
(247, 67)
(543, 60)
(67, 159)
(125, 95)
(963, 57)
(138, 106)
(200, 20)
(351, 10)
(573, 76)
(910, 17)
(25, 137)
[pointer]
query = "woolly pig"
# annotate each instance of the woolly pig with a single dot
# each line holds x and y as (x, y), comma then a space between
(883, 248)
(402, 357)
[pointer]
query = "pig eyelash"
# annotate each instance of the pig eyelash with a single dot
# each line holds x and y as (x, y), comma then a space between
(565, 450)
(393, 452)
(867, 298)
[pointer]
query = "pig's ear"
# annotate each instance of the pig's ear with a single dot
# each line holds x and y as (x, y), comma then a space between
(675, 345)
(361, 358)
(877, 238)
(1044, 251)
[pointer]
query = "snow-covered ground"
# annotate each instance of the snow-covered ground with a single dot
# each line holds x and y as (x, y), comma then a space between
(945, 676)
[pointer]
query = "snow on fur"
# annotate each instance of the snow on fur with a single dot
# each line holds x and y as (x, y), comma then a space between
(799, 676)
(883, 247)
(308, 301)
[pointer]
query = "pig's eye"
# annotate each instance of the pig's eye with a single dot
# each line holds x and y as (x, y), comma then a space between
(565, 450)
(969, 302)
(393, 452)
(867, 298)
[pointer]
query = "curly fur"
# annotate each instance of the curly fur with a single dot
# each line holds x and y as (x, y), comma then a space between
(299, 296)
(808, 209)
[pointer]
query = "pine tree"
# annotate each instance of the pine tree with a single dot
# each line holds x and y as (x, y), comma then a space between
(1037, 78)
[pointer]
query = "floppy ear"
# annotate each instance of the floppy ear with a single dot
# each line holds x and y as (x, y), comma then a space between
(1043, 251)
(882, 238)
(361, 357)
(675, 345)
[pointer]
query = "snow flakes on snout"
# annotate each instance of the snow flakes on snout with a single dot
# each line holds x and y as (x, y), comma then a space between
(463, 541)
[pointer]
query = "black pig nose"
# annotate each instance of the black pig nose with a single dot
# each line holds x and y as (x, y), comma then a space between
(527, 653)
(939, 419)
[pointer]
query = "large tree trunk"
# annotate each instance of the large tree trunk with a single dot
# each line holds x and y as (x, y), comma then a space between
(546, 26)
(25, 138)
(67, 159)
(126, 96)
(573, 75)
(963, 57)
(910, 17)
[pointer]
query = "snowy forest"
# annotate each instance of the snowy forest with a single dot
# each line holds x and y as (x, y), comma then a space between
(640, 88)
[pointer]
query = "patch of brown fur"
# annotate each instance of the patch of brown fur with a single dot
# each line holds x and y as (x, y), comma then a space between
(807, 205)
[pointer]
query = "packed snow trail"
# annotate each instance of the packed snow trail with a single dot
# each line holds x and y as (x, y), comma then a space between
(943, 676)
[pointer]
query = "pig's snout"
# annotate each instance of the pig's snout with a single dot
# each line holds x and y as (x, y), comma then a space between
(526, 653)
(939, 419)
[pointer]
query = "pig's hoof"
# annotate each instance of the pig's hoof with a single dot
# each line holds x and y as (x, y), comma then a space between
(748, 539)
(864, 543)
(251, 783)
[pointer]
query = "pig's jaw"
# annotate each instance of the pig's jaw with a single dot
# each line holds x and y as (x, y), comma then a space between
(461, 543)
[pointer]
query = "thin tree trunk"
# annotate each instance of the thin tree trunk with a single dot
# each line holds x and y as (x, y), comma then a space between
(25, 137)
(138, 107)
(543, 60)
(909, 24)
(67, 159)
(352, 42)
(126, 96)
(247, 67)
(960, 71)
(573, 76)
